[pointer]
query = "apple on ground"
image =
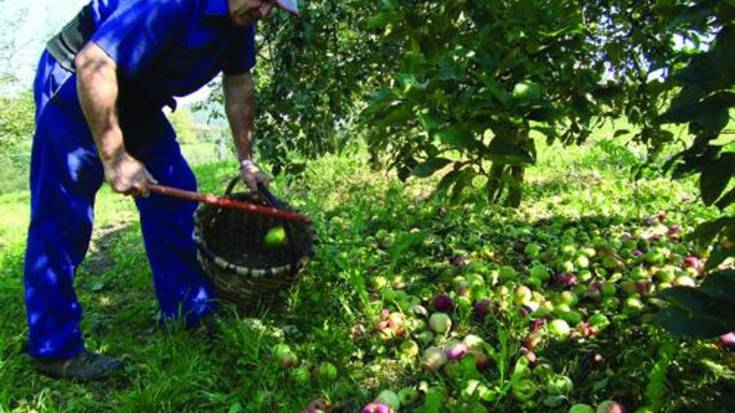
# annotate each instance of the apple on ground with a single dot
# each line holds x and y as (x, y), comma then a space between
(327, 372)
(609, 406)
(440, 323)
(390, 399)
(524, 389)
(581, 408)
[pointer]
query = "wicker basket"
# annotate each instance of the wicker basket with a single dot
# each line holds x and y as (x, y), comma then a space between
(231, 253)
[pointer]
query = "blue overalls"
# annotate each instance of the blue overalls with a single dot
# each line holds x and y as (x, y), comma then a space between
(162, 48)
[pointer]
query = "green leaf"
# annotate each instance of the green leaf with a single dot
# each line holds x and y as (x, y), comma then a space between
(707, 231)
(464, 180)
(684, 323)
(712, 119)
(717, 257)
(696, 307)
(726, 200)
(691, 312)
(526, 91)
(607, 92)
(684, 107)
(715, 177)
(720, 285)
(429, 167)
(543, 114)
(469, 368)
(398, 114)
(427, 120)
(382, 19)
(507, 153)
(456, 137)
(433, 402)
(446, 182)
(620, 132)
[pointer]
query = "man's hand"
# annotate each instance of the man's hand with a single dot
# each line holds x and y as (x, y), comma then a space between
(252, 175)
(126, 175)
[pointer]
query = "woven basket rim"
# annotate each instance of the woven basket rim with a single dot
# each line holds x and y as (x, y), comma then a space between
(249, 271)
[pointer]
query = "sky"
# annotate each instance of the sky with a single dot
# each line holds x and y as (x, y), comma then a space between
(26, 25)
(24, 28)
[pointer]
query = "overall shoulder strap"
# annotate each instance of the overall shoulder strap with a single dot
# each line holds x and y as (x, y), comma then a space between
(70, 40)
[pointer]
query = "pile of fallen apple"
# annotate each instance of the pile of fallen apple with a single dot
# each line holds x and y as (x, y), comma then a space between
(565, 283)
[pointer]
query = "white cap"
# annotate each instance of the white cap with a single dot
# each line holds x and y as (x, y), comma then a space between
(290, 6)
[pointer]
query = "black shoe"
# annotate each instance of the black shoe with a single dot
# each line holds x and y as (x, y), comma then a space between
(86, 365)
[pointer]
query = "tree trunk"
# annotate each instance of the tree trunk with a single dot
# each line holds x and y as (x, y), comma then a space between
(515, 189)
(495, 183)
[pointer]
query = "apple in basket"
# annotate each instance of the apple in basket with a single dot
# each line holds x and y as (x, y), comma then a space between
(275, 237)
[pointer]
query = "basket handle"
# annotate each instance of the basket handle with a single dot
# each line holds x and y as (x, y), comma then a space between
(275, 203)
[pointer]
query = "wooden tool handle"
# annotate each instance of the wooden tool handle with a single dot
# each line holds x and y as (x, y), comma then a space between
(228, 203)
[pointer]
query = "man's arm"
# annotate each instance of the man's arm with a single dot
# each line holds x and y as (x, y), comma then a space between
(239, 106)
(97, 88)
(239, 94)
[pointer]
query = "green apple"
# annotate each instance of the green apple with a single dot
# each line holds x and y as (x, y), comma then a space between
(665, 275)
(584, 276)
(609, 290)
(522, 294)
(581, 408)
(559, 328)
(628, 287)
(284, 355)
(409, 349)
(390, 399)
(654, 257)
(532, 250)
(300, 375)
(568, 297)
(611, 303)
(559, 385)
(609, 406)
(539, 271)
(567, 266)
(572, 317)
(568, 250)
(507, 273)
(524, 389)
(426, 337)
(433, 358)
(639, 273)
(275, 237)
(440, 323)
(408, 395)
(633, 305)
(611, 263)
(474, 342)
(582, 262)
(684, 281)
(599, 321)
(588, 252)
(327, 372)
(534, 282)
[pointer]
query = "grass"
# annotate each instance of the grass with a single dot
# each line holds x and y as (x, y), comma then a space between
(235, 372)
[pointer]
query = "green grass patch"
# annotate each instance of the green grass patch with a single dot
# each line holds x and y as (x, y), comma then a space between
(372, 230)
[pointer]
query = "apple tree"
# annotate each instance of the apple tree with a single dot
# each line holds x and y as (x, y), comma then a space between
(311, 76)
(705, 96)
(475, 78)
